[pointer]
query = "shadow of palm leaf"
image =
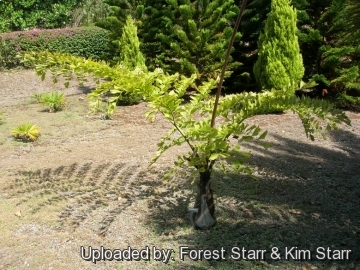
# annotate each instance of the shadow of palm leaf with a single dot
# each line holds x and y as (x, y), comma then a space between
(84, 189)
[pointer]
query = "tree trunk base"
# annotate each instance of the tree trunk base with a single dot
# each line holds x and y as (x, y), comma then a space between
(204, 217)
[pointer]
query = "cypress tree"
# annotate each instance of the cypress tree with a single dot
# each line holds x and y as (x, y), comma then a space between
(312, 35)
(130, 54)
(279, 62)
(119, 10)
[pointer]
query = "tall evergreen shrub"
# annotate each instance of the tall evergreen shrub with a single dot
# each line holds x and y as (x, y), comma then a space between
(129, 44)
(279, 62)
(115, 22)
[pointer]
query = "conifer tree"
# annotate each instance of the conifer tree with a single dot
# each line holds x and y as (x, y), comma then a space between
(157, 18)
(130, 54)
(201, 33)
(117, 19)
(340, 58)
(312, 35)
(351, 16)
(245, 51)
(279, 61)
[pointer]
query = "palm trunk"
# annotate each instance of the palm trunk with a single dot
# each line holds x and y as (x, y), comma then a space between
(204, 218)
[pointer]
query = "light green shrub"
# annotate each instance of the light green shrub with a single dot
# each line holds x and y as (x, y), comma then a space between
(279, 64)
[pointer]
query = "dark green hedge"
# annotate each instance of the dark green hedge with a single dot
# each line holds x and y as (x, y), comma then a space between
(84, 42)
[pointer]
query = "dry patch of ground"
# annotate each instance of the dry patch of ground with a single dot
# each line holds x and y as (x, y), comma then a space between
(86, 182)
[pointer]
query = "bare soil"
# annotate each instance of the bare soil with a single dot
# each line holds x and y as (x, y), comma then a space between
(86, 182)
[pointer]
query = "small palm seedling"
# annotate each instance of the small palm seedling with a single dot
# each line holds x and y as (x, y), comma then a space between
(55, 101)
(26, 132)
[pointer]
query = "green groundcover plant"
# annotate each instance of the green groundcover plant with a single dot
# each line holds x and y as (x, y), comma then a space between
(191, 120)
(54, 101)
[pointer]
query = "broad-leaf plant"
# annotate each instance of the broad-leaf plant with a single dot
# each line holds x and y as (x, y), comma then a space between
(191, 119)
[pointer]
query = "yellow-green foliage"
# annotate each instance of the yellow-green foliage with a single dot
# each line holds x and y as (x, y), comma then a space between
(191, 121)
(26, 132)
(279, 62)
(130, 54)
(114, 84)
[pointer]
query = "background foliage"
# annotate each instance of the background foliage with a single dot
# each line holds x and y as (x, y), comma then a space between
(327, 55)
(88, 12)
(172, 35)
(84, 42)
(178, 36)
(18, 15)
(200, 34)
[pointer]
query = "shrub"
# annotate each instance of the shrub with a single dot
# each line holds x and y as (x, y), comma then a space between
(55, 101)
(84, 42)
(131, 56)
(279, 64)
(26, 132)
(125, 98)
(114, 83)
